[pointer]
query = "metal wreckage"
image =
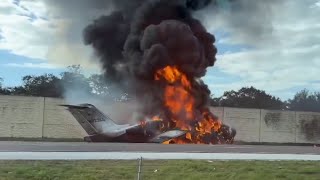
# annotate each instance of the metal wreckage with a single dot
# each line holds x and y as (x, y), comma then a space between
(101, 128)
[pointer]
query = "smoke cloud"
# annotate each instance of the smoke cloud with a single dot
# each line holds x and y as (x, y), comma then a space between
(69, 18)
(133, 39)
(247, 20)
(133, 45)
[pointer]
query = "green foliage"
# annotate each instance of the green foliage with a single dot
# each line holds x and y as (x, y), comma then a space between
(170, 169)
(1, 80)
(214, 101)
(18, 90)
(46, 85)
(74, 79)
(305, 101)
(249, 97)
(99, 85)
(254, 98)
(3, 91)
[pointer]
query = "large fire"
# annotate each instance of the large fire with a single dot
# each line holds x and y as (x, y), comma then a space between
(200, 125)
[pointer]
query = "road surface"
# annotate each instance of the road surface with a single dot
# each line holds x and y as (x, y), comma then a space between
(11, 146)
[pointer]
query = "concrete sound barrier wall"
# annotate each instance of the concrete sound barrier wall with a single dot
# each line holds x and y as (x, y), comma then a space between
(58, 122)
(245, 121)
(21, 116)
(277, 126)
(307, 127)
(38, 117)
(272, 126)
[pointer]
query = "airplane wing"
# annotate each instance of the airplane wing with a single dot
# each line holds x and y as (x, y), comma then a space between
(167, 136)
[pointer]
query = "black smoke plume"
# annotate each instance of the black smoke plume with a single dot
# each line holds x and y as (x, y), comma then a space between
(142, 36)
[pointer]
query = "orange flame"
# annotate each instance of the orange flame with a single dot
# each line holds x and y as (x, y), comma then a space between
(178, 99)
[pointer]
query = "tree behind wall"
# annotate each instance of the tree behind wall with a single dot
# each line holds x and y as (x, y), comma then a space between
(3, 91)
(1, 80)
(214, 101)
(75, 83)
(305, 101)
(46, 85)
(250, 97)
(72, 81)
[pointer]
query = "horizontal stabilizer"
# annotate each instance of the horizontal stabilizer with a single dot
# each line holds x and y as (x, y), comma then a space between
(81, 106)
(167, 136)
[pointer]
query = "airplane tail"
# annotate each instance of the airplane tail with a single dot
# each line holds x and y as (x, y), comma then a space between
(88, 115)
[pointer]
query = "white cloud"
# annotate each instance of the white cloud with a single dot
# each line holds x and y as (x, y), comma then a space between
(38, 8)
(284, 36)
(8, 7)
(32, 65)
(37, 29)
(284, 57)
(23, 34)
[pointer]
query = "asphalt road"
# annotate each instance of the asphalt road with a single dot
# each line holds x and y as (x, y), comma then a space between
(10, 146)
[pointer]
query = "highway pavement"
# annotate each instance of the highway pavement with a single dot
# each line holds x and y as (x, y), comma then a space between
(15, 146)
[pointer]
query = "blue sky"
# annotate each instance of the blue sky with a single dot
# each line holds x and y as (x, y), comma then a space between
(14, 67)
(279, 53)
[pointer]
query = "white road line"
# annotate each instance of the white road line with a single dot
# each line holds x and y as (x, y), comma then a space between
(156, 156)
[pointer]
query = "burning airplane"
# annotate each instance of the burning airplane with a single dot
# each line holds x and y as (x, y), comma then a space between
(157, 52)
(101, 128)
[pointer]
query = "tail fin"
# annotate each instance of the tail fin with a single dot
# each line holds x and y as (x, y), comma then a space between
(88, 115)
